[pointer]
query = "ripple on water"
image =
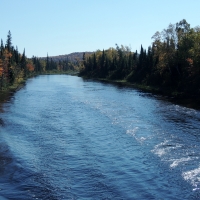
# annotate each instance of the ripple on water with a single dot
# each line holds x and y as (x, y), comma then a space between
(181, 156)
(193, 176)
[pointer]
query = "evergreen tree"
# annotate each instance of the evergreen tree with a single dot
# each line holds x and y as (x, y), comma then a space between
(47, 63)
(9, 41)
(2, 48)
(95, 62)
(23, 63)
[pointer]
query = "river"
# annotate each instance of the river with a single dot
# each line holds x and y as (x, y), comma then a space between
(62, 137)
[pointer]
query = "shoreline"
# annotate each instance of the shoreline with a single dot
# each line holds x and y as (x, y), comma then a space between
(6, 93)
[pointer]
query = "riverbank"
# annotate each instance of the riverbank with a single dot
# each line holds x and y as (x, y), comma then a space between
(6, 92)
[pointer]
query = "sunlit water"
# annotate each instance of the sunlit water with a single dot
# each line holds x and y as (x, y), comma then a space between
(65, 138)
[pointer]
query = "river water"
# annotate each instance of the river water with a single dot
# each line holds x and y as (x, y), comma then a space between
(62, 137)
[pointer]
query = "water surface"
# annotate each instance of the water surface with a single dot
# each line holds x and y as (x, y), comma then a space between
(66, 138)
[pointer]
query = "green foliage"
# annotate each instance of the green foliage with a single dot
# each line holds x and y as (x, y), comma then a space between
(173, 61)
(9, 41)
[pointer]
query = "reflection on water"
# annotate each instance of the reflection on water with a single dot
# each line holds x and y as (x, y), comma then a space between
(65, 138)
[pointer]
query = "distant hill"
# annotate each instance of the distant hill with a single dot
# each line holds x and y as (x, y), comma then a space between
(72, 57)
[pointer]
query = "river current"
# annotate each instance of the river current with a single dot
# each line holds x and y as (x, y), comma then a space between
(62, 137)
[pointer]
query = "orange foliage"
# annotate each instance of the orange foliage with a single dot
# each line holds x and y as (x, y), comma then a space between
(1, 67)
(1, 71)
(7, 54)
(30, 67)
(190, 61)
(191, 69)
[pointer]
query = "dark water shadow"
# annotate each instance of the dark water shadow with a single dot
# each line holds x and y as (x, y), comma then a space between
(185, 101)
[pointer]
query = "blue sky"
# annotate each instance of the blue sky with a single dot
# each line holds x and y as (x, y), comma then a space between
(60, 27)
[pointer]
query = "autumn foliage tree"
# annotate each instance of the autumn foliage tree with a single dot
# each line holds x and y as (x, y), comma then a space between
(13, 65)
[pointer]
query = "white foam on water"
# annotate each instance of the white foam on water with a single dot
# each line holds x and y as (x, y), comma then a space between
(168, 148)
(193, 176)
(132, 131)
(181, 156)
(160, 149)
(176, 162)
(142, 139)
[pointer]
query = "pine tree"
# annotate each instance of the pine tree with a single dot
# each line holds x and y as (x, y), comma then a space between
(16, 55)
(9, 41)
(94, 62)
(47, 63)
(102, 59)
(2, 48)
(23, 63)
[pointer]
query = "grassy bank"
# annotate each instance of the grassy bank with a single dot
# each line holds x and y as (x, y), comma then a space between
(7, 91)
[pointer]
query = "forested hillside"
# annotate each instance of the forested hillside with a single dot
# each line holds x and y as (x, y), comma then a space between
(65, 62)
(171, 63)
(72, 57)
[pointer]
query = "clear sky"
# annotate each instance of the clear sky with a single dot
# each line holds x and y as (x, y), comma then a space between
(60, 27)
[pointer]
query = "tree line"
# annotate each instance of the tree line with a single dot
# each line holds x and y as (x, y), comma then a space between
(15, 66)
(172, 62)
